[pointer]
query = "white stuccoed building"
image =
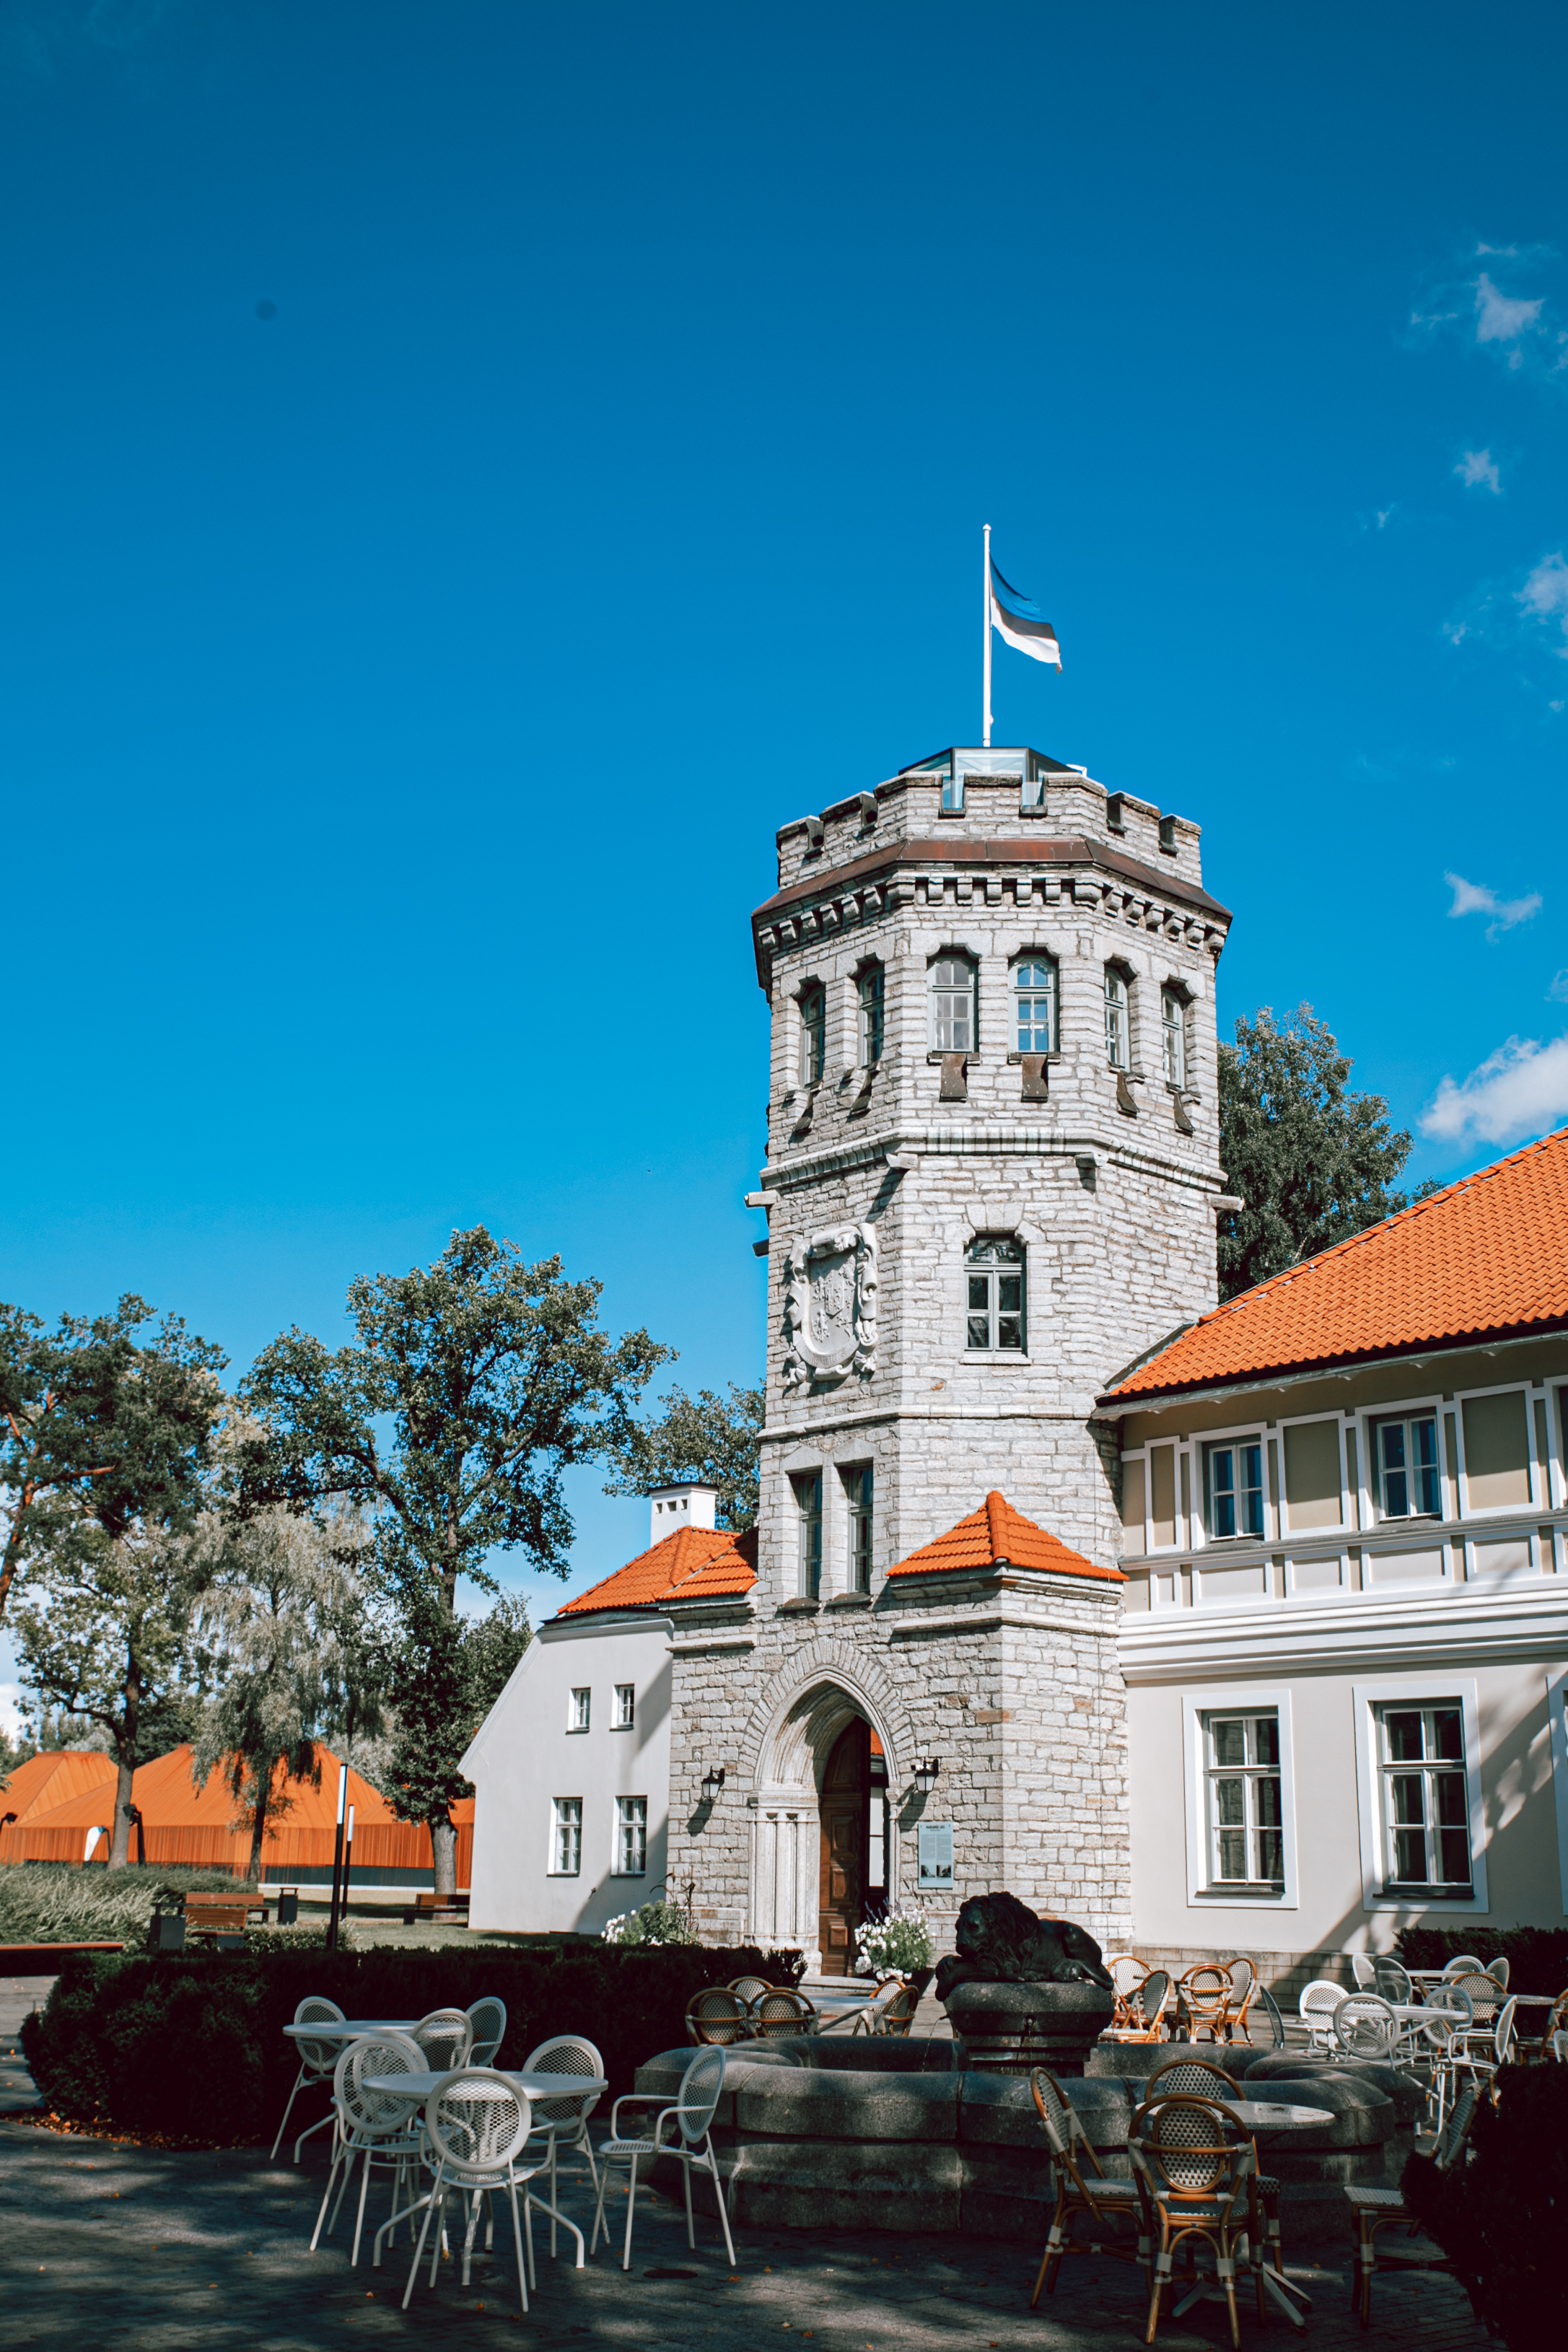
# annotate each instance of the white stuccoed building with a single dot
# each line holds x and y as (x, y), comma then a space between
(991, 1191)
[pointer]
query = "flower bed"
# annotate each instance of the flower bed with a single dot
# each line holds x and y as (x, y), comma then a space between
(193, 2044)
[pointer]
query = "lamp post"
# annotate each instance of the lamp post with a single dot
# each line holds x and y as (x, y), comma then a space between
(337, 1860)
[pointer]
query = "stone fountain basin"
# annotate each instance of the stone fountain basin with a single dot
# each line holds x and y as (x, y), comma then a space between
(897, 2135)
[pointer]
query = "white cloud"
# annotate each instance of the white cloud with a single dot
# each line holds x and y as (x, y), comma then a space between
(1557, 993)
(1544, 597)
(1520, 1089)
(1475, 899)
(11, 1723)
(1477, 471)
(1501, 319)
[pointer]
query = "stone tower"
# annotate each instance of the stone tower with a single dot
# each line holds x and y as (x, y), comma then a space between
(990, 1187)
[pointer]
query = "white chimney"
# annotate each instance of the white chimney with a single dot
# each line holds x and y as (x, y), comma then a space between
(672, 1507)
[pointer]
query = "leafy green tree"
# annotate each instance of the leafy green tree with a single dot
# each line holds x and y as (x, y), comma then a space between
(106, 1634)
(102, 1417)
(283, 1596)
(471, 1388)
(449, 1673)
(702, 1438)
(1312, 1162)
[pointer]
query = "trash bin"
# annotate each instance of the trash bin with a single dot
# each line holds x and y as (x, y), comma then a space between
(288, 1907)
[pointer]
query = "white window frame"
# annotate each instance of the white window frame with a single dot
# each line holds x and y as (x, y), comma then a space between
(1239, 1698)
(580, 1707)
(1304, 1537)
(1032, 960)
(1203, 1444)
(621, 1824)
(1422, 1690)
(1465, 1509)
(625, 1707)
(1123, 1005)
(809, 1570)
(557, 1823)
(875, 971)
(1557, 1719)
(858, 1516)
(993, 1351)
(971, 962)
(1377, 1418)
(812, 990)
(1169, 996)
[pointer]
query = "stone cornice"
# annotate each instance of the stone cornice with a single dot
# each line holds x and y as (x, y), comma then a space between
(986, 1143)
(1354, 1632)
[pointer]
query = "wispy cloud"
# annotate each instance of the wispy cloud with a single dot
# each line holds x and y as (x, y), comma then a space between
(1504, 318)
(1498, 312)
(1477, 471)
(1557, 988)
(1544, 597)
(1475, 899)
(1509, 613)
(1520, 1089)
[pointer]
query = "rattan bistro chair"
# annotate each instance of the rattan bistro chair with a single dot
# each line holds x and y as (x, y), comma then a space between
(748, 1988)
(1243, 1987)
(1195, 2163)
(691, 2117)
(1127, 1973)
(1204, 2078)
(896, 2016)
(717, 2015)
(1203, 2001)
(1371, 2209)
(782, 2012)
(1082, 2187)
(1146, 2008)
(318, 2063)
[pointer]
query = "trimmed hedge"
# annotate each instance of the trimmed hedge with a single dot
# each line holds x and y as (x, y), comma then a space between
(1499, 2219)
(1537, 1957)
(191, 2045)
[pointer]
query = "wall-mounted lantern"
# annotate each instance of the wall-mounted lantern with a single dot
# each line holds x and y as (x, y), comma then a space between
(713, 1782)
(926, 1775)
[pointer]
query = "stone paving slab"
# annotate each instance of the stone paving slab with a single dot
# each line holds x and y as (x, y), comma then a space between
(147, 2252)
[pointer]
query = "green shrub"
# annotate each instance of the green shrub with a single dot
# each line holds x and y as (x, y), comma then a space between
(192, 2044)
(62, 1903)
(655, 1923)
(1537, 1957)
(1497, 2216)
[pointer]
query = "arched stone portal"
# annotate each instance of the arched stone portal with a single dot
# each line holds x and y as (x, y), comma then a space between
(821, 1849)
(853, 1873)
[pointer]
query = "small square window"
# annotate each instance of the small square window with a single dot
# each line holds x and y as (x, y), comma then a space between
(579, 1713)
(566, 1839)
(625, 1705)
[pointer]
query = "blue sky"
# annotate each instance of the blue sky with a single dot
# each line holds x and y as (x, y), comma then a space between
(467, 475)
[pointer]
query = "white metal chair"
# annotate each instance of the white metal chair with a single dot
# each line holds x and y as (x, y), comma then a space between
(1362, 1969)
(1482, 2053)
(475, 2126)
(1446, 2012)
(691, 2115)
(1463, 1964)
(446, 2037)
(378, 2125)
(563, 2121)
(1316, 2007)
(318, 2063)
(1499, 1968)
(1364, 2026)
(487, 2017)
(1559, 2047)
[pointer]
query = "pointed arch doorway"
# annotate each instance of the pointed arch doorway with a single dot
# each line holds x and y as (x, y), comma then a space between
(853, 1877)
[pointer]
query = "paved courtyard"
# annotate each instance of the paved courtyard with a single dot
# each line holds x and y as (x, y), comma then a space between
(147, 2251)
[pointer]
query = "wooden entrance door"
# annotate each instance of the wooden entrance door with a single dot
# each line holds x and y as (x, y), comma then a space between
(842, 1902)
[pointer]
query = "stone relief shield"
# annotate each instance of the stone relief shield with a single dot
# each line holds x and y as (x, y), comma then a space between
(830, 1306)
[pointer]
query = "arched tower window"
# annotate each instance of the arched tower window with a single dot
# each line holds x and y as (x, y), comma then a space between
(954, 1028)
(1118, 1027)
(1034, 1005)
(813, 1033)
(994, 1279)
(869, 990)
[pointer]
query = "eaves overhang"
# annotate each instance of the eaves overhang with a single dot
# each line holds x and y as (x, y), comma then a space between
(1113, 1407)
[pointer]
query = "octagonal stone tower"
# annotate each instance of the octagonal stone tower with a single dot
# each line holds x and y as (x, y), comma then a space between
(992, 1169)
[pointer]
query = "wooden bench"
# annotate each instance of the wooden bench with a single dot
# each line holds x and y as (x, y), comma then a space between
(443, 1909)
(216, 1913)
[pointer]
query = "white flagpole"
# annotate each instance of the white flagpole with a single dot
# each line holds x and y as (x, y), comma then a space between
(986, 700)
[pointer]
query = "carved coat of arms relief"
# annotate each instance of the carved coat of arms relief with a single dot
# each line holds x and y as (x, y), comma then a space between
(830, 1306)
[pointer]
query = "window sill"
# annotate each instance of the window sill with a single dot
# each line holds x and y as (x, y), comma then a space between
(578, 1730)
(935, 1054)
(995, 1356)
(563, 1873)
(848, 1600)
(799, 1606)
(1046, 1058)
(1250, 1890)
(1404, 1894)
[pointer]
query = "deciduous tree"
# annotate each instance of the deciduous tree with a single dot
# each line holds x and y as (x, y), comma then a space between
(700, 1438)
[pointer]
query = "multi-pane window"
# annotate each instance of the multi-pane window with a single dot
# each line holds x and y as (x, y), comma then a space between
(630, 1837)
(953, 1005)
(1409, 1484)
(1246, 1818)
(625, 1705)
(813, 1034)
(809, 1513)
(1426, 1810)
(953, 794)
(579, 1713)
(859, 1492)
(1034, 1000)
(994, 1281)
(869, 988)
(1117, 1032)
(566, 1836)
(1234, 1473)
(1173, 1036)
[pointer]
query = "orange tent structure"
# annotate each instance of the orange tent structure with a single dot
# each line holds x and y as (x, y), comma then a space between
(185, 1826)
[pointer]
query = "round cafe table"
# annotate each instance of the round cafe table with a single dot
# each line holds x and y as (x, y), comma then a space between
(532, 2086)
(349, 2028)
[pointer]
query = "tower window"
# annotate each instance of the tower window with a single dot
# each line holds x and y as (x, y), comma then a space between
(808, 1512)
(994, 1290)
(813, 1034)
(1173, 1033)
(859, 1492)
(1034, 1002)
(869, 988)
(1118, 1032)
(954, 1029)
(953, 795)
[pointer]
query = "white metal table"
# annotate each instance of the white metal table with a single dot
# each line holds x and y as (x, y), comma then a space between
(532, 2086)
(349, 2028)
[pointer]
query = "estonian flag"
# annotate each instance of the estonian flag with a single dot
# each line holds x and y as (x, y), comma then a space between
(1020, 623)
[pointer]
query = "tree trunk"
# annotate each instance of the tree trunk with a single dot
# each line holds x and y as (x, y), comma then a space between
(443, 1840)
(119, 1843)
(258, 1816)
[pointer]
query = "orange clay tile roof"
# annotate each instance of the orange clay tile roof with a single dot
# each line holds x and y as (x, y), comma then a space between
(995, 1536)
(1485, 1259)
(694, 1564)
